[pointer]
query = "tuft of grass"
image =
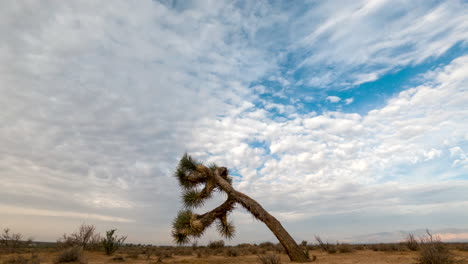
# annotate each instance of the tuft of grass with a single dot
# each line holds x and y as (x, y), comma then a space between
(269, 259)
(73, 254)
(433, 251)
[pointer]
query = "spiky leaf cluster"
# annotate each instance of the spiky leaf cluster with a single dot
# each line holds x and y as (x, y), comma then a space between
(186, 225)
(186, 168)
(225, 228)
(198, 185)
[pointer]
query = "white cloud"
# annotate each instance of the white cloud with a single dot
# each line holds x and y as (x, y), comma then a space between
(357, 42)
(98, 103)
(349, 100)
(335, 150)
(333, 99)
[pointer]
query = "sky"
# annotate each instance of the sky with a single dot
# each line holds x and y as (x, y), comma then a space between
(344, 119)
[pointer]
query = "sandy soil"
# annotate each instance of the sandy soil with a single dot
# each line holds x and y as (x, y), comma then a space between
(361, 256)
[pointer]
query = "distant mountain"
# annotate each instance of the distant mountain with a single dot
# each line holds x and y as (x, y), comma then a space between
(446, 234)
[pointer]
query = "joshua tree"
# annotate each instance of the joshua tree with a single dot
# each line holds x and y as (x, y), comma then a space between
(198, 182)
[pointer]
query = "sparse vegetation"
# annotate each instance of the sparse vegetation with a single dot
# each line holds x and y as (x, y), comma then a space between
(344, 248)
(433, 251)
(73, 254)
(111, 243)
(327, 247)
(269, 259)
(412, 243)
(17, 260)
(85, 237)
(216, 244)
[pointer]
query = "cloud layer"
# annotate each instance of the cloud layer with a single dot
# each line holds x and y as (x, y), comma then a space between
(100, 101)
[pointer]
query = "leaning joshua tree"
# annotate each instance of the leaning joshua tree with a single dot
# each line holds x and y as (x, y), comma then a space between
(199, 182)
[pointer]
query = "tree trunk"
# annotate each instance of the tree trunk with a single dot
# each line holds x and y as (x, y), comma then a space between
(294, 252)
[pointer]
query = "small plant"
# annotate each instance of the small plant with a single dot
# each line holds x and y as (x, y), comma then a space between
(433, 251)
(412, 243)
(216, 244)
(73, 254)
(84, 237)
(111, 243)
(329, 248)
(232, 252)
(344, 248)
(269, 259)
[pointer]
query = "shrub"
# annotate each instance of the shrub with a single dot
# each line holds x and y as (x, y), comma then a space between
(329, 248)
(216, 244)
(111, 243)
(84, 237)
(412, 243)
(269, 259)
(433, 251)
(267, 246)
(73, 254)
(344, 248)
(232, 252)
(11, 242)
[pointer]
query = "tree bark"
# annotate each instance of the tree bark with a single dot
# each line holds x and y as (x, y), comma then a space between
(294, 252)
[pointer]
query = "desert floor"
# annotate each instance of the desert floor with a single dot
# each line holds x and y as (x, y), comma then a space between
(361, 256)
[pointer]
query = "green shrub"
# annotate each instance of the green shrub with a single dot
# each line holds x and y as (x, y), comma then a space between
(111, 243)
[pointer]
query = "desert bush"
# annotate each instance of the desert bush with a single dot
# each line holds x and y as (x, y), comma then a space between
(269, 259)
(111, 243)
(232, 252)
(344, 248)
(411, 243)
(11, 242)
(73, 254)
(84, 237)
(387, 247)
(327, 247)
(433, 251)
(267, 246)
(216, 244)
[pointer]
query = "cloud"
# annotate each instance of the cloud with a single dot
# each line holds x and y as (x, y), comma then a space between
(349, 101)
(333, 99)
(344, 162)
(98, 103)
(68, 214)
(357, 42)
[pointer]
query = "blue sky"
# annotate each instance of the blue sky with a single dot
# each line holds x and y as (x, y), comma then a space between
(345, 119)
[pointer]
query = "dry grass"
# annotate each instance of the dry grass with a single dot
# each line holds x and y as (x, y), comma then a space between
(361, 256)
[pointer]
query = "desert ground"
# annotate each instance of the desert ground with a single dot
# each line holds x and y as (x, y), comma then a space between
(365, 256)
